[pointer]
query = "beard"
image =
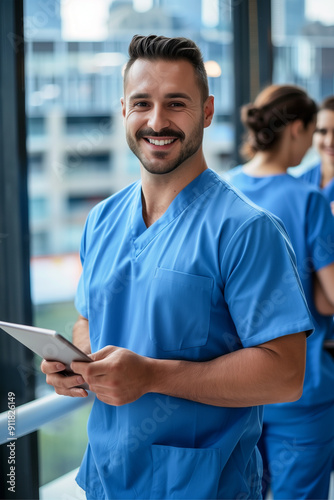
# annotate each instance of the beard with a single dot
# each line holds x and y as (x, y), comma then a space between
(157, 162)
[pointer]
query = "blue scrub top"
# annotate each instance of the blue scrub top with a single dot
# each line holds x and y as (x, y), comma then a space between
(313, 176)
(199, 283)
(309, 222)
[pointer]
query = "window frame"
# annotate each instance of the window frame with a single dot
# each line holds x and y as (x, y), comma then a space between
(16, 367)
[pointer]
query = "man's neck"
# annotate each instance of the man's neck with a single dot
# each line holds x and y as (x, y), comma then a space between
(153, 213)
(158, 191)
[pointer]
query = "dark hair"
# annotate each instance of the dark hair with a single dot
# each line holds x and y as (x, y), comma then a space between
(155, 47)
(274, 108)
(327, 103)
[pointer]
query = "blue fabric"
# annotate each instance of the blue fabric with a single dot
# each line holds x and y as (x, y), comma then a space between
(197, 284)
(310, 225)
(313, 176)
(295, 464)
(307, 217)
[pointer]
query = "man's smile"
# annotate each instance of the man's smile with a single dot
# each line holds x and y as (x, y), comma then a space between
(160, 142)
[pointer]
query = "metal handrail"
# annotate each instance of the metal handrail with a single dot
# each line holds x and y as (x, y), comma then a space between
(29, 417)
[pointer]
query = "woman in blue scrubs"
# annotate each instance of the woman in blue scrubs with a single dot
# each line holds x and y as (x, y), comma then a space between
(298, 438)
(322, 174)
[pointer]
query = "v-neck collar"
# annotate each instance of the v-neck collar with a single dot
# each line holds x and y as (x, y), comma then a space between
(142, 235)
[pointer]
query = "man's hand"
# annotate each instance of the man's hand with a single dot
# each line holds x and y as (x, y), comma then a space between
(64, 385)
(117, 376)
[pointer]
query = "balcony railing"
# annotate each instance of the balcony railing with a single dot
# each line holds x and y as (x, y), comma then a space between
(31, 416)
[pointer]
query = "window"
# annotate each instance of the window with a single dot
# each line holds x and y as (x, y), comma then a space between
(93, 125)
(84, 163)
(42, 47)
(36, 164)
(35, 127)
(302, 35)
(303, 44)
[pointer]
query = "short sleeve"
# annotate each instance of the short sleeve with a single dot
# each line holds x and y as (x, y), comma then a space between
(320, 231)
(262, 286)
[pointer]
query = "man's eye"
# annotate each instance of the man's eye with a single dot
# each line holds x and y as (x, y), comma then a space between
(321, 131)
(140, 104)
(177, 104)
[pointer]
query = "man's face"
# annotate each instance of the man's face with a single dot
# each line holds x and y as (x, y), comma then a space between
(163, 114)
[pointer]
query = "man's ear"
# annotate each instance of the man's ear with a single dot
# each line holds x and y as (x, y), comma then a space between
(209, 108)
(123, 106)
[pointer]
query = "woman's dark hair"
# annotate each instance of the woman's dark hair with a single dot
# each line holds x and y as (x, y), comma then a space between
(274, 108)
(155, 47)
(327, 103)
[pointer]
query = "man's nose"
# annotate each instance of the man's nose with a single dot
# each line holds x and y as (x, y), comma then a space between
(158, 118)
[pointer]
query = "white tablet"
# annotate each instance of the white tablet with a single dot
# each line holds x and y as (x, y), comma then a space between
(48, 344)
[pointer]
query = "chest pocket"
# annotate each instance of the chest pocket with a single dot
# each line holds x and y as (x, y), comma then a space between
(179, 309)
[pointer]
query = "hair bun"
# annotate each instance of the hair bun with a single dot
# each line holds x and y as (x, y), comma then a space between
(252, 117)
(273, 109)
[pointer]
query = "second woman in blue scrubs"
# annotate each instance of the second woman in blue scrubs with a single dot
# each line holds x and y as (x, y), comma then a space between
(322, 174)
(298, 438)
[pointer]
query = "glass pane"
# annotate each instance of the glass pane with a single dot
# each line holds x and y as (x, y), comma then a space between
(77, 152)
(61, 443)
(303, 42)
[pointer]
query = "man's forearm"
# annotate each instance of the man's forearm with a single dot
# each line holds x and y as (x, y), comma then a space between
(248, 377)
(80, 335)
(269, 373)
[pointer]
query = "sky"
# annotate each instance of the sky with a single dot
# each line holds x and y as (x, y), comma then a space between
(84, 19)
(320, 10)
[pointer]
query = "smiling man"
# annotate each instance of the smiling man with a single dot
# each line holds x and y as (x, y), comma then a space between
(167, 133)
(184, 306)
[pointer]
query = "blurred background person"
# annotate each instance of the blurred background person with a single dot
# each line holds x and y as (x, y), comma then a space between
(322, 174)
(297, 443)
